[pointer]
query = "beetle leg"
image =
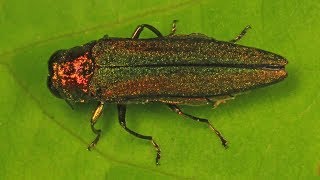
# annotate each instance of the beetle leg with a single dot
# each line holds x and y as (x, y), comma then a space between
(70, 104)
(174, 27)
(122, 121)
(176, 109)
(96, 114)
(106, 36)
(216, 101)
(243, 32)
(140, 28)
(223, 100)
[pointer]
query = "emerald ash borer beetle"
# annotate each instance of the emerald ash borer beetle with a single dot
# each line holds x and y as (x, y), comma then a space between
(174, 69)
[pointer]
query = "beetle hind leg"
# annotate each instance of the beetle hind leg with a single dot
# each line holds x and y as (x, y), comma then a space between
(174, 27)
(176, 109)
(96, 114)
(122, 121)
(243, 32)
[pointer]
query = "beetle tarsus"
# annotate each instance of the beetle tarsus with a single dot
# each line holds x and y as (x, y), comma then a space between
(122, 120)
(158, 151)
(95, 141)
(243, 32)
(222, 139)
(96, 114)
(176, 109)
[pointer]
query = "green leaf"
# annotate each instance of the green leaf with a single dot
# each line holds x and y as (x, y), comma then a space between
(273, 132)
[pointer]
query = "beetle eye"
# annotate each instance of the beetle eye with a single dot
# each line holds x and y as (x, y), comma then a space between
(52, 88)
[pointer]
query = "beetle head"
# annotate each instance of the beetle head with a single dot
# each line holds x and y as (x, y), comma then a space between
(70, 72)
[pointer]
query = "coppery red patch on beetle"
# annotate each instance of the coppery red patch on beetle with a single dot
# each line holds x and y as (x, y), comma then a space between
(75, 73)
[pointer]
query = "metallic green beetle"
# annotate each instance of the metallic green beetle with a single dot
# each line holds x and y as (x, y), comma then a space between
(175, 69)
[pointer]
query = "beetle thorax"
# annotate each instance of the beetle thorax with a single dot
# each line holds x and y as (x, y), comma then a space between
(73, 76)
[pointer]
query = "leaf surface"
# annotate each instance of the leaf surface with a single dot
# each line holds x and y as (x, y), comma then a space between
(273, 132)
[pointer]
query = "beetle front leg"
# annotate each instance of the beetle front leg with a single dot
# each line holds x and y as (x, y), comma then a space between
(176, 109)
(122, 120)
(96, 114)
(243, 32)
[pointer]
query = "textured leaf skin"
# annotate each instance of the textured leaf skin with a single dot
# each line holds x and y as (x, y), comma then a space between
(273, 132)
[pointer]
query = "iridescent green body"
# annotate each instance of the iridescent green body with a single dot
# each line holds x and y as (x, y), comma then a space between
(182, 69)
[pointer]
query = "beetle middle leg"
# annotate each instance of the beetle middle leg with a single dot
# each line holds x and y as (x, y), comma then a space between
(243, 32)
(122, 120)
(176, 109)
(96, 114)
(140, 28)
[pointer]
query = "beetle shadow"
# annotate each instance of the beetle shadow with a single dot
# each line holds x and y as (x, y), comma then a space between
(29, 70)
